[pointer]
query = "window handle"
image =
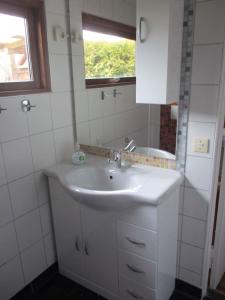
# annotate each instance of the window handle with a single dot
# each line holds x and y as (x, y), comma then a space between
(2, 109)
(26, 105)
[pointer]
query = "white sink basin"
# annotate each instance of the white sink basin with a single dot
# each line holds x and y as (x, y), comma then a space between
(99, 185)
(101, 179)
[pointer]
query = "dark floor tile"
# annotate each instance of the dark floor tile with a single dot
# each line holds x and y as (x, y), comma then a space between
(25, 294)
(180, 296)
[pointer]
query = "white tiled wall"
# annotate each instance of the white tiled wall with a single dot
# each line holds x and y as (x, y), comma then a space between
(106, 122)
(207, 61)
(30, 142)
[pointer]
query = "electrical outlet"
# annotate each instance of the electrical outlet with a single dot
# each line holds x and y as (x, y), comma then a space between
(201, 145)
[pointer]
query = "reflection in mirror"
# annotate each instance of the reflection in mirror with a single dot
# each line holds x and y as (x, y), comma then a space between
(107, 113)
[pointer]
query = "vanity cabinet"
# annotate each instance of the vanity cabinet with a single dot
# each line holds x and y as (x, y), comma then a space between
(100, 248)
(159, 50)
(85, 240)
(122, 255)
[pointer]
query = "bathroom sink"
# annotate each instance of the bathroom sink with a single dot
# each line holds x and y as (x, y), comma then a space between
(101, 185)
(102, 179)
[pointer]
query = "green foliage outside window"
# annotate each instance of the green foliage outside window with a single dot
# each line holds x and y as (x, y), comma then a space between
(109, 60)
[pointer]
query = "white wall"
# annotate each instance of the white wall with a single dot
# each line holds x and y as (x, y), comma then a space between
(30, 142)
(195, 198)
(106, 122)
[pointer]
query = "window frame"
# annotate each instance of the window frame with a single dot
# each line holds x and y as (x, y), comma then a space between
(102, 25)
(33, 11)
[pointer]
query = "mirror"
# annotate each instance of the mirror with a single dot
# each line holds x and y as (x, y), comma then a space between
(108, 116)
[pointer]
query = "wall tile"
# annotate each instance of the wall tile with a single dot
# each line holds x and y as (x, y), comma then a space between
(5, 206)
(91, 6)
(39, 118)
(64, 144)
(95, 104)
(2, 169)
(201, 130)
(46, 221)
(18, 161)
(207, 64)
(83, 133)
(61, 109)
(13, 122)
(196, 203)
(108, 129)
(198, 173)
(55, 6)
(49, 244)
(34, 261)
(23, 195)
(210, 22)
(193, 232)
(191, 258)
(141, 137)
(43, 150)
(109, 103)
(204, 103)
(11, 278)
(60, 75)
(8, 243)
(81, 106)
(106, 9)
(56, 46)
(96, 132)
(28, 229)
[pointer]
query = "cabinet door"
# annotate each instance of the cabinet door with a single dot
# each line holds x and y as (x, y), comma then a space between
(67, 225)
(100, 248)
(158, 53)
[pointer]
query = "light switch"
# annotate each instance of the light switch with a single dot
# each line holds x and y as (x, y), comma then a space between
(201, 145)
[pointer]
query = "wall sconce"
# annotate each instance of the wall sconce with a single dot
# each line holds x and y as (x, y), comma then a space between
(174, 111)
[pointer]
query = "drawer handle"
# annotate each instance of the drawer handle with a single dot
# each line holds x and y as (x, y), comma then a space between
(135, 296)
(136, 243)
(86, 248)
(77, 244)
(135, 270)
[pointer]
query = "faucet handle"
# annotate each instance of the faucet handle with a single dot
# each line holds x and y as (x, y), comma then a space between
(129, 144)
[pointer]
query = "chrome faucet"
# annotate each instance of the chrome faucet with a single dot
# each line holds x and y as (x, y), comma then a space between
(116, 156)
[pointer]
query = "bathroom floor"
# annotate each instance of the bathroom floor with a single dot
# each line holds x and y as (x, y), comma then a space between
(61, 288)
(221, 286)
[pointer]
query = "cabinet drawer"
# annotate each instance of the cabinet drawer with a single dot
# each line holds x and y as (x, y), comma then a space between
(137, 240)
(137, 268)
(130, 290)
(142, 216)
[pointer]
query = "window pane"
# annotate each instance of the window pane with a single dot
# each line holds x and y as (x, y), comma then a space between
(14, 52)
(108, 56)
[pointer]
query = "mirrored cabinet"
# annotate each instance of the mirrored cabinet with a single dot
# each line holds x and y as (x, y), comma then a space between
(158, 50)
